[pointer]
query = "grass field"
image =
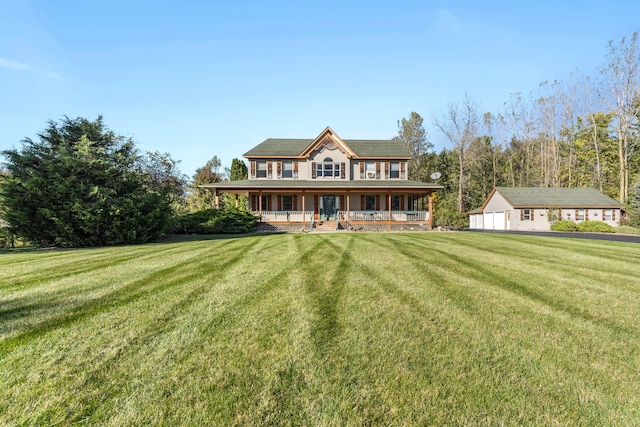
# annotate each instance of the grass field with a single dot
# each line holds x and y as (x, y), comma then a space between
(324, 329)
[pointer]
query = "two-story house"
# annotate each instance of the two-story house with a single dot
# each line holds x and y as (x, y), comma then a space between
(332, 183)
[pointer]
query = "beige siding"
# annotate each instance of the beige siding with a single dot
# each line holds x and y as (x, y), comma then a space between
(318, 156)
(497, 203)
(540, 221)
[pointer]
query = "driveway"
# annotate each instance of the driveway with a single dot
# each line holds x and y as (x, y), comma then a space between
(613, 237)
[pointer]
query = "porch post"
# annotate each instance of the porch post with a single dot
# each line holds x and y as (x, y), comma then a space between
(217, 201)
(303, 206)
(237, 201)
(348, 209)
(260, 204)
(389, 209)
(430, 212)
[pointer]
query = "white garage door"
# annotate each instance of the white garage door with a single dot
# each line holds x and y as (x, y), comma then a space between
(499, 220)
(488, 220)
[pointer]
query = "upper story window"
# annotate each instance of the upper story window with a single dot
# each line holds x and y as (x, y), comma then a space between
(261, 169)
(327, 169)
(370, 170)
(394, 170)
(287, 169)
(327, 165)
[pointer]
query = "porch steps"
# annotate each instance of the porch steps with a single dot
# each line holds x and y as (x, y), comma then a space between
(326, 225)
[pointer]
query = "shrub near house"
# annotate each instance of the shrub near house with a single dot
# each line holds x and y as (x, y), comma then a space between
(595, 227)
(216, 221)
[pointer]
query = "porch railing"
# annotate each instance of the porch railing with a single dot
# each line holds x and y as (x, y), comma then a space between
(402, 216)
(284, 216)
(380, 215)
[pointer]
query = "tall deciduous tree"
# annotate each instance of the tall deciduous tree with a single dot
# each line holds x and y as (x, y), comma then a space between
(80, 184)
(413, 134)
(459, 124)
(619, 90)
(199, 198)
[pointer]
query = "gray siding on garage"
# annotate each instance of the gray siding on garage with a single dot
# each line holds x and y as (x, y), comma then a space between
(503, 209)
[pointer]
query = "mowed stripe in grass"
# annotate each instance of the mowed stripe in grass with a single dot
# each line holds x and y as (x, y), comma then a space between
(330, 329)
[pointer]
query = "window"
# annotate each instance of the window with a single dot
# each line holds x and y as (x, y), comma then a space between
(265, 203)
(370, 170)
(261, 169)
(395, 203)
(327, 166)
(328, 169)
(410, 203)
(607, 214)
(394, 170)
(287, 169)
(370, 203)
(287, 203)
(526, 215)
(580, 215)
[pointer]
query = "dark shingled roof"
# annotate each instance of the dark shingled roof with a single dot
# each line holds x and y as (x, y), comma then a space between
(279, 147)
(274, 147)
(526, 197)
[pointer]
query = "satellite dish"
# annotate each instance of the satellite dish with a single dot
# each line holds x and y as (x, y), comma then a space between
(435, 175)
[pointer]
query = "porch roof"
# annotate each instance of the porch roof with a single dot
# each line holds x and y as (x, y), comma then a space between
(379, 185)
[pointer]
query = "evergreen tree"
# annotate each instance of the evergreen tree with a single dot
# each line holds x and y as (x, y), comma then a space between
(238, 170)
(80, 184)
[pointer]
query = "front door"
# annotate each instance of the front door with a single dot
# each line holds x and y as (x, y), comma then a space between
(327, 207)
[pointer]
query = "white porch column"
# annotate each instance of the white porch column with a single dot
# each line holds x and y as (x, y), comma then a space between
(389, 209)
(348, 209)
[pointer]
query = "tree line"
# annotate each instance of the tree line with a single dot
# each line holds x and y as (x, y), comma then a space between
(583, 132)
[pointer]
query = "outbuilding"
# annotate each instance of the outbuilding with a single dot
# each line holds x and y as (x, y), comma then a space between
(533, 208)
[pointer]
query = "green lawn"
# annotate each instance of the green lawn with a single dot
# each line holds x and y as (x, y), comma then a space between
(323, 329)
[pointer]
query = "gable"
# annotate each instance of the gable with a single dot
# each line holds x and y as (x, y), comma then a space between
(327, 139)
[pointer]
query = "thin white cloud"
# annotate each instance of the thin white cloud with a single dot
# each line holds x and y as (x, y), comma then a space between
(13, 65)
(19, 66)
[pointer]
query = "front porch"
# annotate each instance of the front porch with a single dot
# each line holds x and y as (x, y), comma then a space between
(302, 205)
(368, 220)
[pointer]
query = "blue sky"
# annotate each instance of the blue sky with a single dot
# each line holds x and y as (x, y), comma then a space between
(203, 78)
